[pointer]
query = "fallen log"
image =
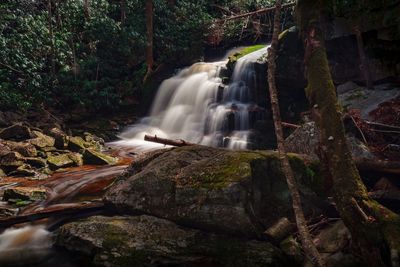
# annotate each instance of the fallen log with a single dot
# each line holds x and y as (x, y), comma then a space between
(383, 166)
(50, 212)
(165, 141)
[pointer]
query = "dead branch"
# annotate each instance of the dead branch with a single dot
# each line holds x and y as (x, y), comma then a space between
(260, 11)
(165, 141)
(290, 125)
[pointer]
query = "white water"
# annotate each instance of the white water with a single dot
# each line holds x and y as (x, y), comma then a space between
(196, 107)
(19, 246)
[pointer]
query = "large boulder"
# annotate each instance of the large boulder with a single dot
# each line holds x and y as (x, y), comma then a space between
(213, 189)
(150, 241)
(305, 140)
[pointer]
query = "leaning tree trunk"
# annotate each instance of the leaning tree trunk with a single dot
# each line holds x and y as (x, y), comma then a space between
(149, 43)
(305, 237)
(375, 230)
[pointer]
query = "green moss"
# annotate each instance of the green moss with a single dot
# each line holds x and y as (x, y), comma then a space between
(283, 34)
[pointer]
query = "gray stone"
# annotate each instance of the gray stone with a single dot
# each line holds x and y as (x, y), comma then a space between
(41, 140)
(150, 241)
(16, 132)
(305, 140)
(346, 87)
(212, 189)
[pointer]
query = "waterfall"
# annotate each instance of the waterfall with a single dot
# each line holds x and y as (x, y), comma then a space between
(197, 107)
(25, 245)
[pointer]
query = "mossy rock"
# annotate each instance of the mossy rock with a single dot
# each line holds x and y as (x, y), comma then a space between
(17, 132)
(36, 162)
(76, 158)
(23, 170)
(240, 192)
(41, 140)
(12, 159)
(25, 193)
(94, 157)
(60, 161)
(76, 144)
(234, 58)
(150, 241)
(24, 148)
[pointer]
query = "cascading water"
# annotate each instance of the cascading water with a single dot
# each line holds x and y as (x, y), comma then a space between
(196, 107)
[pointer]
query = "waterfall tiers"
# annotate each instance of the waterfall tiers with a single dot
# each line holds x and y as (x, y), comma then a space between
(196, 106)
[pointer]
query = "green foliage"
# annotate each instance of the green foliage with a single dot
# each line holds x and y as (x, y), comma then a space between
(99, 61)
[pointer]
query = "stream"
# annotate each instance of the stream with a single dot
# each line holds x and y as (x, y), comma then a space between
(194, 105)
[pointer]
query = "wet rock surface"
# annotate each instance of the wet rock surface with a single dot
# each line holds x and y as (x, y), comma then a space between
(240, 193)
(150, 241)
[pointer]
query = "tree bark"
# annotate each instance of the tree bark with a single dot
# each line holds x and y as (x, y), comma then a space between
(375, 230)
(86, 10)
(123, 12)
(149, 42)
(52, 46)
(305, 237)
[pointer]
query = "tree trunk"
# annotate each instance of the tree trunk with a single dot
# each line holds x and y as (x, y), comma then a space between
(86, 9)
(305, 237)
(375, 230)
(52, 47)
(123, 12)
(149, 43)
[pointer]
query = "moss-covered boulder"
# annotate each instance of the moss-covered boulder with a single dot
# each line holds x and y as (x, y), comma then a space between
(76, 144)
(41, 140)
(15, 132)
(150, 241)
(60, 161)
(214, 189)
(93, 157)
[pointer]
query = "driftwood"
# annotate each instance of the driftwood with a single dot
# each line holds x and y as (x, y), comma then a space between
(257, 12)
(50, 212)
(165, 141)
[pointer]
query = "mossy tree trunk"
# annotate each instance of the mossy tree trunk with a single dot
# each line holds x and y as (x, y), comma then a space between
(375, 230)
(305, 237)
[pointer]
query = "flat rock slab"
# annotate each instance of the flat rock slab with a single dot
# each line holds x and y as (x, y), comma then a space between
(213, 189)
(150, 241)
